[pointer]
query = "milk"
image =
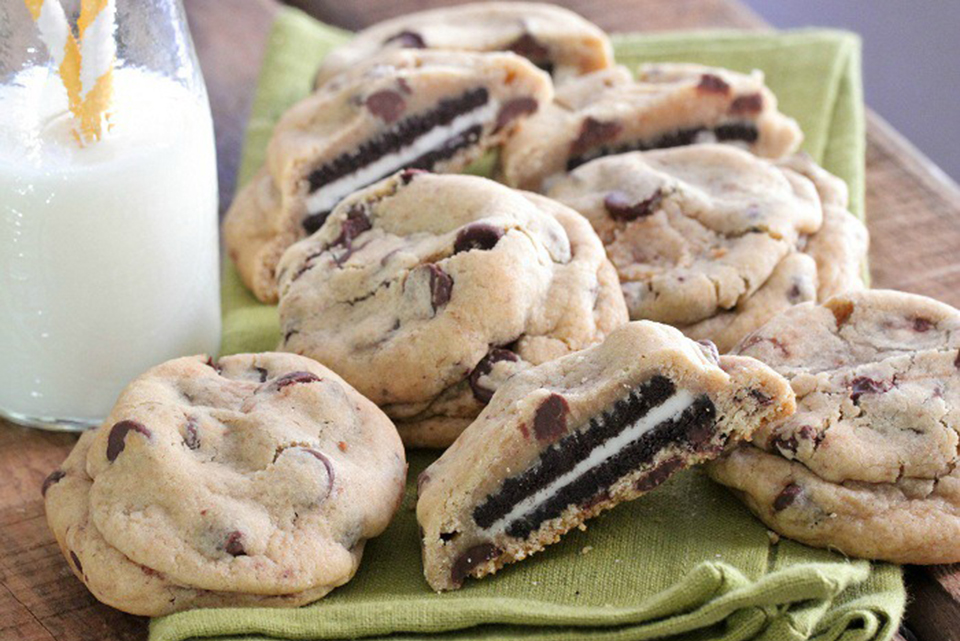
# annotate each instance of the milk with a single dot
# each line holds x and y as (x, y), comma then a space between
(109, 257)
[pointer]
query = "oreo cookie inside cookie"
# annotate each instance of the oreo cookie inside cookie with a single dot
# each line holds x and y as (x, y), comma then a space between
(745, 132)
(418, 141)
(585, 464)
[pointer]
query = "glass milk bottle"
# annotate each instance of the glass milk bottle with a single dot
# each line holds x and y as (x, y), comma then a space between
(109, 256)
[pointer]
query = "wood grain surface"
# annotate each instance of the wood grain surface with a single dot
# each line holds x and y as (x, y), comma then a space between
(914, 218)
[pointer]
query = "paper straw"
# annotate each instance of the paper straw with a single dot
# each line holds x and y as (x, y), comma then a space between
(57, 37)
(98, 51)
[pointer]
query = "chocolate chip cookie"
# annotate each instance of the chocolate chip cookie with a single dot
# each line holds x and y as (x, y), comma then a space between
(426, 291)
(709, 237)
(436, 110)
(668, 105)
(868, 464)
(562, 442)
(253, 481)
(555, 39)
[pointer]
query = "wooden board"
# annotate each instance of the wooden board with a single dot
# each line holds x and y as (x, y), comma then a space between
(914, 219)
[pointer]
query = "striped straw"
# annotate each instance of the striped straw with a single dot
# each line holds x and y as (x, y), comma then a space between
(57, 37)
(98, 51)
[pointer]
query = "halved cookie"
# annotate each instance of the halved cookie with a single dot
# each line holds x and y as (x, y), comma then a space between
(555, 39)
(426, 291)
(435, 110)
(869, 463)
(562, 442)
(252, 481)
(668, 105)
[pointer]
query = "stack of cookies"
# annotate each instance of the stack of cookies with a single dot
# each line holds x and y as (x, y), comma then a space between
(653, 278)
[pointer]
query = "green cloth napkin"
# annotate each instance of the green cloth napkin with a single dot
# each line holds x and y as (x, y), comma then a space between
(686, 560)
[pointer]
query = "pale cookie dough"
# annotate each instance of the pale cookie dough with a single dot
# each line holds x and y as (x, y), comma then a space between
(553, 38)
(426, 291)
(252, 481)
(668, 105)
(564, 441)
(435, 110)
(868, 464)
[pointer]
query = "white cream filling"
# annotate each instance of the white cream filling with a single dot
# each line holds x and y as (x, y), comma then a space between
(670, 409)
(325, 198)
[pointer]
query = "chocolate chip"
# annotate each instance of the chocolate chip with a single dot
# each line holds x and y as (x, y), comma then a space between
(529, 47)
(263, 374)
(118, 434)
(295, 378)
(658, 475)
(192, 436)
(760, 397)
(441, 286)
(842, 310)
(353, 225)
(794, 294)
(514, 109)
(484, 367)
(446, 537)
(550, 421)
(922, 325)
(407, 40)
(386, 104)
(809, 433)
(786, 497)
(76, 561)
(313, 222)
(594, 133)
(234, 544)
(326, 463)
(407, 175)
(477, 236)
(290, 333)
(471, 559)
(864, 385)
(51, 480)
(710, 83)
(750, 103)
(785, 444)
(621, 207)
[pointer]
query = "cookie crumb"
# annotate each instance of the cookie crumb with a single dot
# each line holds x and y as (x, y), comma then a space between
(774, 537)
(586, 549)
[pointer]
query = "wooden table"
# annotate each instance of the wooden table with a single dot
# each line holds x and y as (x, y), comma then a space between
(914, 218)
